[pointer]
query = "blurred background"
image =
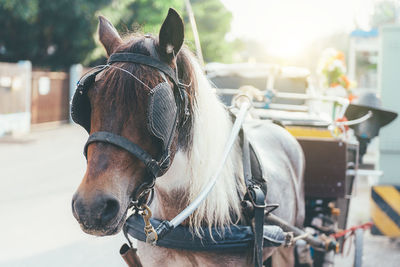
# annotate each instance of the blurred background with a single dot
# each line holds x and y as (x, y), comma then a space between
(341, 48)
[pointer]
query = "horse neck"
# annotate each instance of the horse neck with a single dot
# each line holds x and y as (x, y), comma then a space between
(192, 168)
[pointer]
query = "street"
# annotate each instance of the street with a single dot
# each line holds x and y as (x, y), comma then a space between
(39, 174)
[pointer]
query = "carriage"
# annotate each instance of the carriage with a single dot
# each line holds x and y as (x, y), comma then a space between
(332, 161)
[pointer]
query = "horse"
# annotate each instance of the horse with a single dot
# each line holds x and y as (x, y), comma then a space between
(118, 100)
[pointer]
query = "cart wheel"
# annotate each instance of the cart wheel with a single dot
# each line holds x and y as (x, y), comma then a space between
(358, 250)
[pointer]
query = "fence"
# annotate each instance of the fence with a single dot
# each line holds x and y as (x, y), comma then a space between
(50, 97)
(15, 97)
(33, 97)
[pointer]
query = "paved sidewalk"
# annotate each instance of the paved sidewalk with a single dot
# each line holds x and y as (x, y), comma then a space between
(378, 250)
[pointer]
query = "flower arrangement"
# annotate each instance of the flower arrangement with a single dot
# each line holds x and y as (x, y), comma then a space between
(332, 67)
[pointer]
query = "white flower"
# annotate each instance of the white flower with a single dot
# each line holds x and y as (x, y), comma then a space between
(337, 64)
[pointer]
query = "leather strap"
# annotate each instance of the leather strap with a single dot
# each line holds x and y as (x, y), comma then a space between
(122, 142)
(145, 60)
(259, 207)
(246, 160)
(161, 66)
(257, 197)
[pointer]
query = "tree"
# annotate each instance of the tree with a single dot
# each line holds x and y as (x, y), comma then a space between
(47, 32)
(59, 33)
(213, 22)
(212, 18)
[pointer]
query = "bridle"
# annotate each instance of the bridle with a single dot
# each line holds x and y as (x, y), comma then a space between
(161, 125)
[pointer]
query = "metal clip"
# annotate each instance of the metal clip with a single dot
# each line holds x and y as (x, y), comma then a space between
(151, 234)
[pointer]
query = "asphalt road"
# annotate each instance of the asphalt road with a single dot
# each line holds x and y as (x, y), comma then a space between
(39, 174)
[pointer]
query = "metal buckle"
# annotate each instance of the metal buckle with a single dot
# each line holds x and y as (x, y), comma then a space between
(145, 198)
(254, 192)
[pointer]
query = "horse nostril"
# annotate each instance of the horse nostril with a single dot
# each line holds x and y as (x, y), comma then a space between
(72, 206)
(110, 210)
(77, 206)
(95, 212)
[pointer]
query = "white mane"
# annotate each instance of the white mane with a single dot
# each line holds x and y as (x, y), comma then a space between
(192, 170)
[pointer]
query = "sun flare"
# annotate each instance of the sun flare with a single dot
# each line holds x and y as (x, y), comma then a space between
(287, 28)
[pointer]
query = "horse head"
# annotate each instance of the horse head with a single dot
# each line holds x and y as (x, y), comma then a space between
(119, 99)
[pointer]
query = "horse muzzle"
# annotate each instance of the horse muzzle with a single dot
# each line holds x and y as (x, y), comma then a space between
(99, 215)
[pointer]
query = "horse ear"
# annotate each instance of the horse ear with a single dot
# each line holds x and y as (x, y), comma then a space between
(108, 35)
(171, 34)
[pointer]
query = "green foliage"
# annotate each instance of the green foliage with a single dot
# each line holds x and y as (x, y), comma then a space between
(58, 33)
(146, 16)
(212, 18)
(213, 22)
(23, 9)
(47, 32)
(384, 13)
(333, 76)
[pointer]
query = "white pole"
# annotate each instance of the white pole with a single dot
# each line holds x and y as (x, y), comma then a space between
(195, 32)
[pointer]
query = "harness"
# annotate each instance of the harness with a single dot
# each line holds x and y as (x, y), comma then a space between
(233, 238)
(168, 109)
